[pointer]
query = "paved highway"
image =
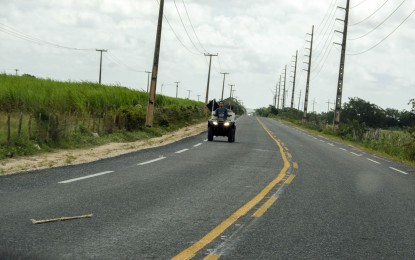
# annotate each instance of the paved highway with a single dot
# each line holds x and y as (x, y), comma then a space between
(276, 193)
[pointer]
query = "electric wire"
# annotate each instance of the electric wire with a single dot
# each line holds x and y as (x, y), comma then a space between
(13, 32)
(358, 4)
(193, 28)
(370, 15)
(185, 29)
(352, 39)
(328, 28)
(175, 34)
(118, 61)
(324, 17)
(374, 46)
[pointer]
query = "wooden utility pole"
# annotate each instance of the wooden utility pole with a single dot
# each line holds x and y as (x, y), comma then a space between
(152, 96)
(275, 95)
(100, 63)
(279, 91)
(148, 79)
(223, 85)
(230, 97)
(295, 73)
(177, 88)
(308, 76)
(341, 69)
(208, 81)
(285, 81)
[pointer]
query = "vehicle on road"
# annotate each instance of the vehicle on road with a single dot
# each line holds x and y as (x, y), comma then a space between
(222, 127)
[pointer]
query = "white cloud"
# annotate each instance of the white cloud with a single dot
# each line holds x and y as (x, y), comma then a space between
(255, 40)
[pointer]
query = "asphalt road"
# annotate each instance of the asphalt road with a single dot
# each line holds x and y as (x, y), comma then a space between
(276, 193)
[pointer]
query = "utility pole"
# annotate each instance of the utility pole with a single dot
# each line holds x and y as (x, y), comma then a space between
(285, 81)
(299, 99)
(279, 91)
(152, 96)
(223, 85)
(148, 79)
(275, 95)
(314, 102)
(341, 69)
(308, 76)
(295, 73)
(177, 88)
(100, 63)
(230, 96)
(188, 96)
(208, 81)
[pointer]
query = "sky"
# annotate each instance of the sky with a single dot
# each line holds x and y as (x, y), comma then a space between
(254, 40)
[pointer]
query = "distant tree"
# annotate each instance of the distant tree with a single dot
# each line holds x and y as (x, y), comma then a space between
(361, 111)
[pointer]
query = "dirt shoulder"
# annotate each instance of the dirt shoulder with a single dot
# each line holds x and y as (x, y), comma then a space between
(78, 156)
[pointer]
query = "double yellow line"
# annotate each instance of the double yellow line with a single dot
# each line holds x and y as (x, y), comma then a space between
(204, 241)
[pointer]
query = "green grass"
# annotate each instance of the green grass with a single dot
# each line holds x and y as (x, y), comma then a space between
(389, 144)
(68, 114)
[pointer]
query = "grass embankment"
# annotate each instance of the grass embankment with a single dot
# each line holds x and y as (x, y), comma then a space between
(394, 144)
(38, 115)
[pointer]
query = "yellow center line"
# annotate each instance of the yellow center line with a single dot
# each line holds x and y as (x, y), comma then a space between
(295, 165)
(265, 207)
(211, 257)
(290, 179)
(214, 233)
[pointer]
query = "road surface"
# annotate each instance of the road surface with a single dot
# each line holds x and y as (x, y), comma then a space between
(276, 193)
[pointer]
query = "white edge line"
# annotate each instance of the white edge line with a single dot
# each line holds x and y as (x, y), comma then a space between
(398, 170)
(151, 161)
(85, 177)
(356, 154)
(196, 145)
(343, 149)
(373, 161)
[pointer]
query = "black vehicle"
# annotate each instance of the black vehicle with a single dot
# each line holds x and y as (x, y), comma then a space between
(222, 127)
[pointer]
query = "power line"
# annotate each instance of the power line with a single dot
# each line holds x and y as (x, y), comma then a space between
(185, 29)
(175, 34)
(11, 31)
(324, 18)
(118, 61)
(358, 4)
(191, 24)
(352, 39)
(370, 15)
(385, 37)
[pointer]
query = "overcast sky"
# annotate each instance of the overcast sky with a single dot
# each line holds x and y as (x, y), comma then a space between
(255, 39)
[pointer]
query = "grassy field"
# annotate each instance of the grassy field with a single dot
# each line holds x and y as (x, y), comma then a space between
(43, 114)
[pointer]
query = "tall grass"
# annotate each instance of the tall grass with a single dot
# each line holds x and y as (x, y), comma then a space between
(61, 111)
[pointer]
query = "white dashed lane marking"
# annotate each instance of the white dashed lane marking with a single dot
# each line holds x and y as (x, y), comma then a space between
(196, 145)
(182, 151)
(151, 161)
(85, 177)
(398, 170)
(373, 161)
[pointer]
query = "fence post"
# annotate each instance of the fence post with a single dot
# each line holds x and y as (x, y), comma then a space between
(19, 129)
(29, 126)
(8, 128)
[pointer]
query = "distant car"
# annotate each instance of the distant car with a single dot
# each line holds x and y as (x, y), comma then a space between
(227, 127)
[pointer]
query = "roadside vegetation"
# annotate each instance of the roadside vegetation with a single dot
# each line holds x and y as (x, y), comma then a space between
(38, 115)
(386, 131)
